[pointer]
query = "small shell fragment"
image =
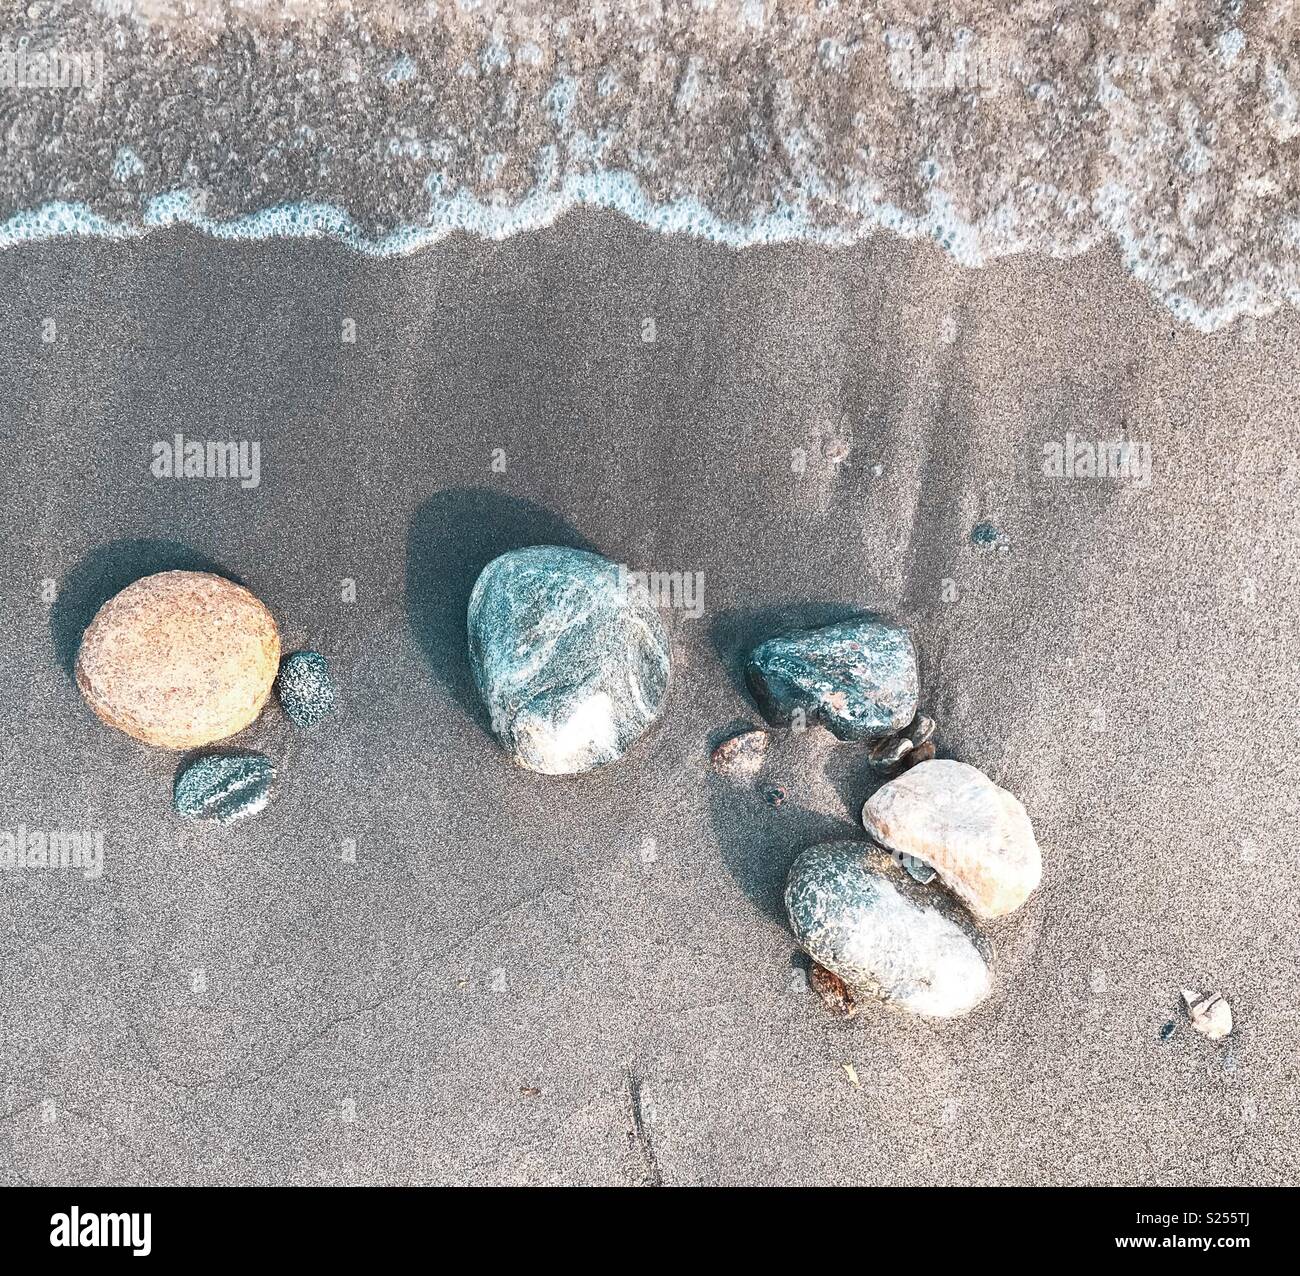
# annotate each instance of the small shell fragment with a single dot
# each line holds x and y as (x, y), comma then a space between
(1210, 1014)
(922, 753)
(924, 730)
(889, 750)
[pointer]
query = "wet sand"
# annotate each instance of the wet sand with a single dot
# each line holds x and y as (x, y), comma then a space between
(540, 980)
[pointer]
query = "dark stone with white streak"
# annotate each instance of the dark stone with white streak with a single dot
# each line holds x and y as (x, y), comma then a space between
(224, 787)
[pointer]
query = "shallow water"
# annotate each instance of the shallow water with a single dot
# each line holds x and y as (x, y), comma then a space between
(1167, 128)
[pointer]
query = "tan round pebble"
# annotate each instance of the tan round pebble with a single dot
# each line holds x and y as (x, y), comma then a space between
(179, 659)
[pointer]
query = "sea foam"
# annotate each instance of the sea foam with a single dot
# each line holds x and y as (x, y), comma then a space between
(736, 121)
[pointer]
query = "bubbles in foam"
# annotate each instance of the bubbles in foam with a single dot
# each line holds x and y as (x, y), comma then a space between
(57, 220)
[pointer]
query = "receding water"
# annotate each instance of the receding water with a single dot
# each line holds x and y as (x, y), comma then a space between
(1165, 128)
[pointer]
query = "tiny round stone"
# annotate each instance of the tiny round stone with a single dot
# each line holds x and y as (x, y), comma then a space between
(741, 755)
(305, 688)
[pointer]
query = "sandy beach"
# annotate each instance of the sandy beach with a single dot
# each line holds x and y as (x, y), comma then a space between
(529, 979)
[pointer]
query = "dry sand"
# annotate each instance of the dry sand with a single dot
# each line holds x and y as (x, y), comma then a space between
(243, 1005)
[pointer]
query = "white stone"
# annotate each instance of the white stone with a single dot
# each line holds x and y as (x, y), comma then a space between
(855, 913)
(975, 835)
(1210, 1014)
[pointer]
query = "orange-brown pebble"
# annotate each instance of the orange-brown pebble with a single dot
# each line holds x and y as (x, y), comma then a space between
(179, 659)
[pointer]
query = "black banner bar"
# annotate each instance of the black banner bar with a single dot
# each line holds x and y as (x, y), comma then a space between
(140, 1225)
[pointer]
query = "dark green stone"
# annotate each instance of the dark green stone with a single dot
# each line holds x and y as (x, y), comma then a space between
(224, 787)
(305, 689)
(858, 678)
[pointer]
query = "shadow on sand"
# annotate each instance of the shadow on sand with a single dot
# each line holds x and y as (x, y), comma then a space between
(107, 570)
(452, 537)
(824, 781)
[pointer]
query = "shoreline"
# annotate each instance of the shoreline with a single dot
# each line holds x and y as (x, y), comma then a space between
(531, 979)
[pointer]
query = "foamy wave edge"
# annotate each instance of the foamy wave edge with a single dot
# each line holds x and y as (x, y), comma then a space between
(964, 242)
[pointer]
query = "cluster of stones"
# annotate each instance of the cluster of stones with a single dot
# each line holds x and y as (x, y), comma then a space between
(181, 660)
(865, 911)
(574, 667)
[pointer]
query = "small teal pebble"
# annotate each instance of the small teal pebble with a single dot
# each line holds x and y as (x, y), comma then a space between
(305, 689)
(224, 787)
(985, 534)
(917, 870)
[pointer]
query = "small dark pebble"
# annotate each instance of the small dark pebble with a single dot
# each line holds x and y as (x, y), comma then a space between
(224, 787)
(836, 995)
(529, 1091)
(889, 751)
(984, 535)
(922, 753)
(1167, 1031)
(305, 688)
(917, 870)
(774, 796)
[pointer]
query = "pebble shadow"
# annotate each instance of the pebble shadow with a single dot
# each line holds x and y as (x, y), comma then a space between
(850, 772)
(107, 570)
(759, 842)
(826, 781)
(452, 537)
